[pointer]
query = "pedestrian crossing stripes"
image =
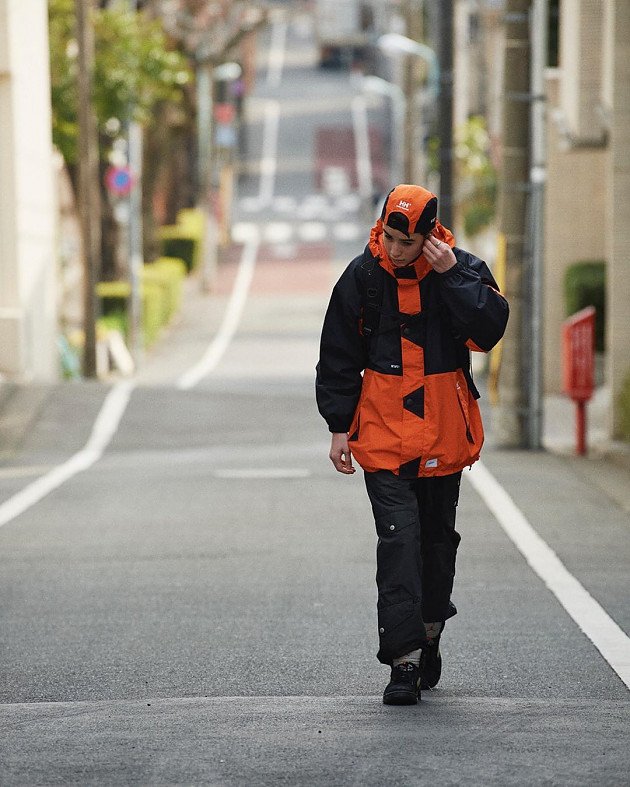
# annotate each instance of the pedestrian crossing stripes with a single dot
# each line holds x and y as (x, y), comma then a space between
(280, 232)
(311, 206)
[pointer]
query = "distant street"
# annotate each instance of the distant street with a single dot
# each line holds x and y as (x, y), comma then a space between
(188, 596)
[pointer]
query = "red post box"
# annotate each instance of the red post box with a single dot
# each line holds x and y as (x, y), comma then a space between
(578, 356)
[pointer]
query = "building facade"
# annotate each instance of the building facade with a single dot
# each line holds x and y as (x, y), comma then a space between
(28, 259)
(588, 185)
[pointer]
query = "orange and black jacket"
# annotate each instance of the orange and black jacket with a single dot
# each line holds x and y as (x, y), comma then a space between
(405, 395)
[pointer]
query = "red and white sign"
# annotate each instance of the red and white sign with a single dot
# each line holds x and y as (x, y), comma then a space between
(578, 356)
(578, 351)
(224, 113)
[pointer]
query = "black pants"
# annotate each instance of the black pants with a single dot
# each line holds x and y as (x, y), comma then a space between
(415, 556)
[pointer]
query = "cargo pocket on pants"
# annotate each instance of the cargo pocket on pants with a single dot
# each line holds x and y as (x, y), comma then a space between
(399, 583)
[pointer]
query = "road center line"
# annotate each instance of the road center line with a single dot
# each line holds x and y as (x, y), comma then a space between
(228, 327)
(362, 147)
(104, 429)
(592, 619)
(269, 157)
(277, 49)
(262, 472)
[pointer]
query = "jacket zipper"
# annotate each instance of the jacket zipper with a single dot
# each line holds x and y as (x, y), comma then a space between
(469, 436)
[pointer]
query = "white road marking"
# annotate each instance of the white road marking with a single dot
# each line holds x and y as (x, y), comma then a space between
(284, 232)
(277, 232)
(260, 472)
(593, 620)
(228, 327)
(244, 231)
(285, 204)
(104, 429)
(346, 231)
(250, 205)
(277, 51)
(335, 181)
(268, 161)
(313, 206)
(349, 203)
(312, 231)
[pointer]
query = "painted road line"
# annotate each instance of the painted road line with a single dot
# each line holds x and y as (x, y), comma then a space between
(593, 620)
(312, 231)
(362, 148)
(244, 231)
(347, 231)
(104, 429)
(262, 472)
(277, 232)
(269, 159)
(277, 50)
(231, 319)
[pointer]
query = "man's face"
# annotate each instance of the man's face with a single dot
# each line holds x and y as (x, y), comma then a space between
(402, 249)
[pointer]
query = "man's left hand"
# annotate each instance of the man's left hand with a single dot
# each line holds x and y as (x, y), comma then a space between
(438, 254)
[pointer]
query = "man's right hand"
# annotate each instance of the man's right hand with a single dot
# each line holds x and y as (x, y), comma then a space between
(340, 454)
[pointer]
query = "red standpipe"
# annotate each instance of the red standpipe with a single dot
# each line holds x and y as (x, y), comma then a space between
(578, 356)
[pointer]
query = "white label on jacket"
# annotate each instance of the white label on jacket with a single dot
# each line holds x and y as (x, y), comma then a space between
(431, 463)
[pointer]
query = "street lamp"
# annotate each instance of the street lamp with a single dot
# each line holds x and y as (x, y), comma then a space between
(440, 73)
(395, 43)
(372, 84)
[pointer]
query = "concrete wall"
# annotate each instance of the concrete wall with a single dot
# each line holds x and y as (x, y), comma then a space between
(575, 221)
(581, 37)
(478, 63)
(617, 237)
(588, 187)
(28, 319)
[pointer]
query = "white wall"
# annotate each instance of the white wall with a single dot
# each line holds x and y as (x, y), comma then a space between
(28, 319)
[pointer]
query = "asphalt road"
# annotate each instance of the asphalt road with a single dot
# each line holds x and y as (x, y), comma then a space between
(197, 605)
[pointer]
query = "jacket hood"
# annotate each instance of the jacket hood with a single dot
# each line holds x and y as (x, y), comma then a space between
(411, 210)
(377, 247)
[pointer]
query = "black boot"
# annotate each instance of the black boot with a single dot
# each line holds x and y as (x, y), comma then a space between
(431, 662)
(404, 686)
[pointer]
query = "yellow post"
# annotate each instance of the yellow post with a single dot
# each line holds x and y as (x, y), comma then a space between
(495, 354)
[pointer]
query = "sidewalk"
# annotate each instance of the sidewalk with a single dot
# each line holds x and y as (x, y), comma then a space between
(607, 462)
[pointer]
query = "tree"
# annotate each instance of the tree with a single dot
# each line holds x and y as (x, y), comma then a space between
(135, 72)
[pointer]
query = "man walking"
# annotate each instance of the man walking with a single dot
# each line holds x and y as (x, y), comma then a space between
(395, 388)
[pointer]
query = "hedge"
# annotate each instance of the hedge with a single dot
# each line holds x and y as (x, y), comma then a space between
(184, 239)
(161, 286)
(585, 285)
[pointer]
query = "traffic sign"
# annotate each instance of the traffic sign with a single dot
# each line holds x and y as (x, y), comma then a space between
(119, 181)
(224, 113)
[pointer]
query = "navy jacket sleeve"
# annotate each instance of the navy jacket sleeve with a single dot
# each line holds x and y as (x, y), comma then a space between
(342, 355)
(479, 313)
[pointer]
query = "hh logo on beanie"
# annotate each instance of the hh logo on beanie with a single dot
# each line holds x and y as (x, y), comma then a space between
(410, 209)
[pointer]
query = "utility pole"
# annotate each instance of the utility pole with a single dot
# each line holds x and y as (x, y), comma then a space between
(512, 411)
(413, 22)
(538, 32)
(445, 110)
(88, 191)
(135, 254)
